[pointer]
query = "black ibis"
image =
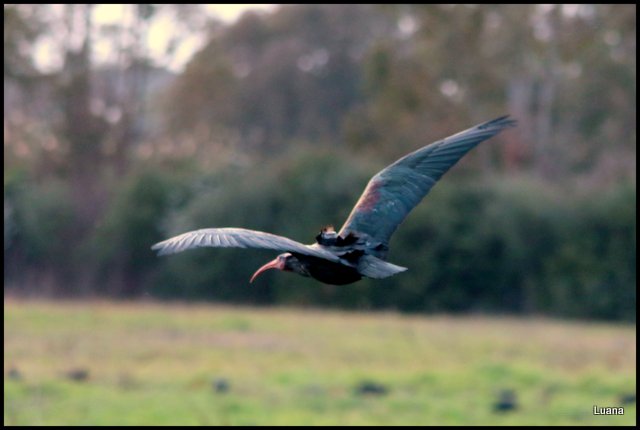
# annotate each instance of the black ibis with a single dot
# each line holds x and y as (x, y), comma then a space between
(360, 248)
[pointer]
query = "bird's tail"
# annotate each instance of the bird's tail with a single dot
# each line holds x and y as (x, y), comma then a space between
(373, 267)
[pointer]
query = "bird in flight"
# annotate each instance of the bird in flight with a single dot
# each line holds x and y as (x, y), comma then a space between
(360, 248)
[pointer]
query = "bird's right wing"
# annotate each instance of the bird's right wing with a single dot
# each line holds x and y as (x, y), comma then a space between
(238, 238)
(392, 193)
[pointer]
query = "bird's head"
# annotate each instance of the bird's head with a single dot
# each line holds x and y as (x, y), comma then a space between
(285, 262)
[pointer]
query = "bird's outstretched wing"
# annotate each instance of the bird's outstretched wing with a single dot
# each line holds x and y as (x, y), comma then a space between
(393, 192)
(238, 238)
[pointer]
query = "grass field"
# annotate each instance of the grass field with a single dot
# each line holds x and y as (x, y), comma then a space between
(113, 364)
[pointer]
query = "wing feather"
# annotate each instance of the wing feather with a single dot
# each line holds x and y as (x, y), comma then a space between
(393, 192)
(238, 238)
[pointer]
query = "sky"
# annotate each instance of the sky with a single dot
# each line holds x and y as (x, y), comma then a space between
(162, 30)
(230, 12)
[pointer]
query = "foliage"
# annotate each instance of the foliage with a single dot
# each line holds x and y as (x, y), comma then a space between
(277, 123)
(121, 243)
(596, 258)
(41, 220)
(503, 244)
(293, 75)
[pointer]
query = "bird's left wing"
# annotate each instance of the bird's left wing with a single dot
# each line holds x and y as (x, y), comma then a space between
(392, 193)
(238, 238)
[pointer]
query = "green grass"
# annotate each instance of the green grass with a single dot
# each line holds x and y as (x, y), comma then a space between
(155, 364)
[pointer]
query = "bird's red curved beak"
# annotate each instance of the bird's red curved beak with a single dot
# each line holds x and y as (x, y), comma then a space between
(278, 263)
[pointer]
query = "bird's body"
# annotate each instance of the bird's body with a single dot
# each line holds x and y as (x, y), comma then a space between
(360, 248)
(327, 271)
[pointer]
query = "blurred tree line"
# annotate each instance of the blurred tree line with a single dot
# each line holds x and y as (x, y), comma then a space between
(279, 120)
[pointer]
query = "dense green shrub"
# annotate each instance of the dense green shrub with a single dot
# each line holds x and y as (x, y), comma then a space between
(592, 272)
(295, 197)
(39, 225)
(504, 244)
(133, 222)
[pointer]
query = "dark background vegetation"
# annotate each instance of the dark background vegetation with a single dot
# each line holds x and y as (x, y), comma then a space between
(279, 120)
